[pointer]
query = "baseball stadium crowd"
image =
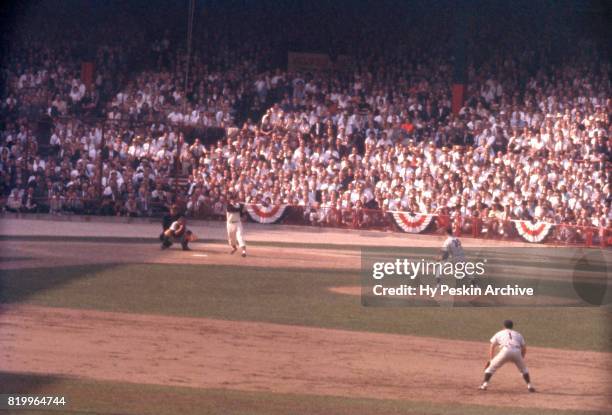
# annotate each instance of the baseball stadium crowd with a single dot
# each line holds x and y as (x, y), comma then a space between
(376, 134)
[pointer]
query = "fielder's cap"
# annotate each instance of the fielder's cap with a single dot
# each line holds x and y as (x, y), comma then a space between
(508, 324)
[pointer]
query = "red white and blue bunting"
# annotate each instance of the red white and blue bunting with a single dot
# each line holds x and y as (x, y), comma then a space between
(265, 214)
(412, 223)
(532, 232)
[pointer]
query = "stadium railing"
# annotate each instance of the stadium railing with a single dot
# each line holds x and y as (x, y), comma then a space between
(419, 223)
(492, 228)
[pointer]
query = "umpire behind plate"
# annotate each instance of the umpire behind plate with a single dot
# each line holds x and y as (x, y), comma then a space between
(168, 219)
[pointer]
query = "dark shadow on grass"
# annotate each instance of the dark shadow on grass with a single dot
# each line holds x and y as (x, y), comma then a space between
(42, 385)
(17, 285)
(25, 383)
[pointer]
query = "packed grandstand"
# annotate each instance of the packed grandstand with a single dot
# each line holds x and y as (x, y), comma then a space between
(371, 141)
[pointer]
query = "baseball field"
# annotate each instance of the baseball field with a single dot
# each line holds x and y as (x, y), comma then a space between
(97, 313)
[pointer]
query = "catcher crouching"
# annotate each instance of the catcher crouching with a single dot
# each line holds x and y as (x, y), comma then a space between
(178, 232)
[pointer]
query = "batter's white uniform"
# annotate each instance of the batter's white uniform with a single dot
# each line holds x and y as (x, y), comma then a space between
(511, 342)
(234, 226)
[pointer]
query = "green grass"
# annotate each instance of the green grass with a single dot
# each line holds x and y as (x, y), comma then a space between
(287, 296)
(112, 398)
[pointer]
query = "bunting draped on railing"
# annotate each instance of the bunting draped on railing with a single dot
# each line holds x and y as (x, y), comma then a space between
(532, 232)
(412, 223)
(415, 223)
(266, 214)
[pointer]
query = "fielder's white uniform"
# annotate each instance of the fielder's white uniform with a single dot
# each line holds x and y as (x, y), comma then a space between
(511, 342)
(452, 245)
(234, 225)
(454, 253)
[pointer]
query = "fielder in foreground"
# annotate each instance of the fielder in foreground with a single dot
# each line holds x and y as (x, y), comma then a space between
(234, 225)
(512, 349)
